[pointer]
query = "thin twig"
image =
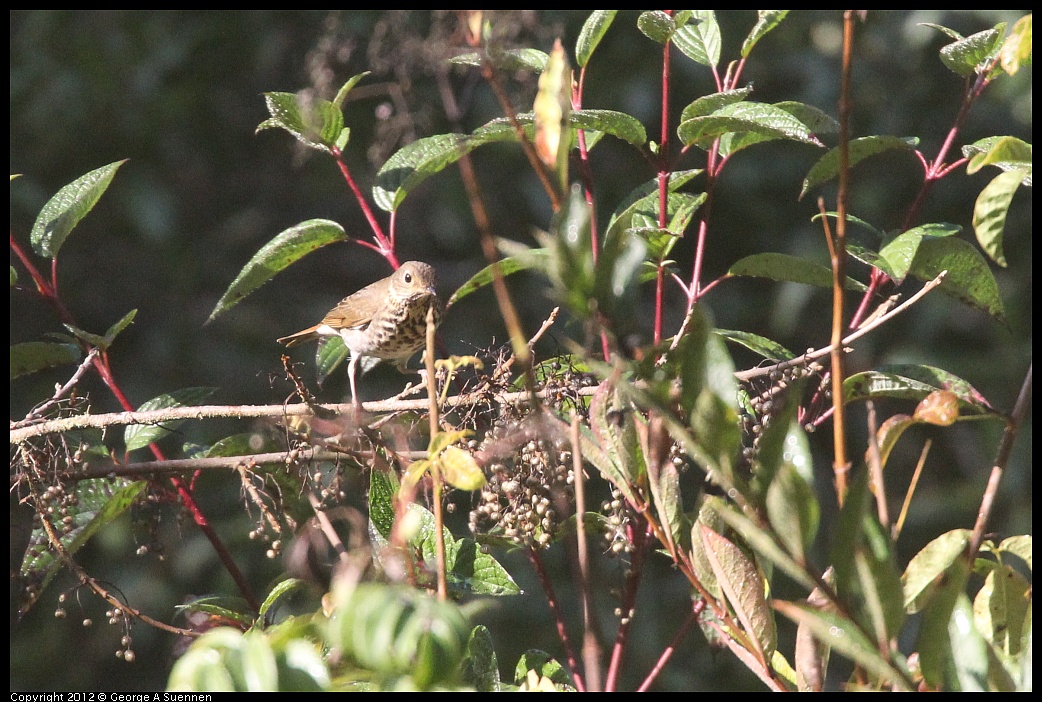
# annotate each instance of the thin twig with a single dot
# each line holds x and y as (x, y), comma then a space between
(591, 650)
(1005, 447)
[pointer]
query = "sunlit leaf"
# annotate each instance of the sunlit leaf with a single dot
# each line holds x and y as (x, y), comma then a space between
(593, 30)
(827, 167)
(69, 205)
(989, 213)
(137, 436)
(278, 254)
(791, 269)
(765, 22)
(968, 277)
(315, 122)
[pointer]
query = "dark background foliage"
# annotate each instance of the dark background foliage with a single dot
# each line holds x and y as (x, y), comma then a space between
(180, 94)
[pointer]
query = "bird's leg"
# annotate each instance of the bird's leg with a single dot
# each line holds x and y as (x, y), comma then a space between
(352, 368)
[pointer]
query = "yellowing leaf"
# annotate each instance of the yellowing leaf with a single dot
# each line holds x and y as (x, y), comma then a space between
(460, 470)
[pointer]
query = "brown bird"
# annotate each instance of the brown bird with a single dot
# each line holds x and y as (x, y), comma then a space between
(386, 320)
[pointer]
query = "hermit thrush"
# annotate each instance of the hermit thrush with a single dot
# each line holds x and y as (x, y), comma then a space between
(385, 320)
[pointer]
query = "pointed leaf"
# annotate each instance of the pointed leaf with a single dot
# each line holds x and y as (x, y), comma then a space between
(594, 29)
(656, 25)
(707, 104)
(383, 486)
(827, 167)
(531, 258)
(618, 124)
(480, 668)
(763, 542)
(115, 329)
(969, 279)
(551, 110)
(766, 21)
(137, 436)
(414, 163)
(792, 269)
(936, 639)
(744, 587)
(914, 382)
(34, 356)
(756, 117)
(644, 199)
(899, 252)
(972, 54)
(699, 38)
(97, 503)
(768, 348)
(316, 122)
(523, 59)
(1006, 152)
(69, 205)
(278, 254)
(926, 569)
(341, 95)
(842, 635)
(989, 213)
(792, 505)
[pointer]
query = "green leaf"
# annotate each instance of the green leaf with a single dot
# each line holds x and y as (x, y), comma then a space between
(843, 635)
(974, 53)
(774, 441)
(764, 543)
(899, 253)
(913, 382)
(768, 348)
(331, 352)
(523, 59)
(594, 29)
(33, 356)
(708, 104)
(644, 199)
(244, 444)
(936, 639)
(989, 213)
(480, 668)
(743, 585)
(656, 25)
(618, 124)
(792, 505)
(316, 122)
(766, 21)
(383, 486)
(699, 38)
(280, 590)
(1000, 609)
(278, 254)
(341, 95)
(137, 436)
(758, 118)
(792, 269)
(969, 279)
(414, 163)
(924, 573)
(531, 258)
(69, 205)
(115, 329)
(827, 167)
(93, 504)
(1006, 152)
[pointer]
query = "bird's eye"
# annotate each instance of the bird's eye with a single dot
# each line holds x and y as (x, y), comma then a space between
(408, 277)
